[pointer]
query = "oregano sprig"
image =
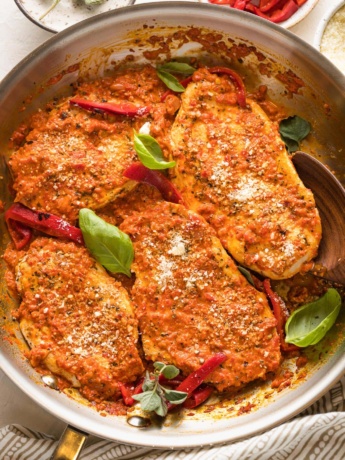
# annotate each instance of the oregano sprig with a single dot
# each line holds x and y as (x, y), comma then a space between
(155, 396)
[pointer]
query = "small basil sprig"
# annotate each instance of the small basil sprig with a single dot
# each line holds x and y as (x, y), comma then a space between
(293, 130)
(308, 324)
(164, 73)
(150, 153)
(110, 247)
(154, 396)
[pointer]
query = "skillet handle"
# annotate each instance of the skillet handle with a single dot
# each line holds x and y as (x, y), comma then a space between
(70, 445)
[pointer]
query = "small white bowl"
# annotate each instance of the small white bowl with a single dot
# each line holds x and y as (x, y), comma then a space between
(300, 14)
(324, 22)
(330, 42)
(66, 12)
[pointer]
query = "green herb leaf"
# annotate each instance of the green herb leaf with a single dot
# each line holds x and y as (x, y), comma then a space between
(162, 410)
(170, 371)
(149, 401)
(293, 130)
(158, 365)
(148, 384)
(177, 67)
(150, 153)
(170, 81)
(154, 397)
(308, 324)
(109, 246)
(175, 397)
(246, 274)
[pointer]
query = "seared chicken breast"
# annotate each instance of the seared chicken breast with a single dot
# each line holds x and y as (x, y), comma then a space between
(192, 302)
(77, 320)
(66, 158)
(233, 169)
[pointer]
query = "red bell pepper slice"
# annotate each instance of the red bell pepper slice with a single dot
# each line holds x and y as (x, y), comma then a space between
(127, 109)
(20, 234)
(128, 390)
(196, 378)
(42, 221)
(241, 90)
(281, 315)
(198, 397)
(175, 382)
(223, 2)
(240, 4)
(266, 5)
(139, 172)
(279, 14)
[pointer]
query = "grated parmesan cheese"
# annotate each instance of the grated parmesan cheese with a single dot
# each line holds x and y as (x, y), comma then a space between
(333, 39)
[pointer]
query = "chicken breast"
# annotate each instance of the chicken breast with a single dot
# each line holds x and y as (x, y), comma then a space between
(66, 158)
(192, 302)
(77, 320)
(72, 160)
(233, 169)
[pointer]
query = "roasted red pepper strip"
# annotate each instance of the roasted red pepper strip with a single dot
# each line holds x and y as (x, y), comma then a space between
(280, 313)
(240, 4)
(139, 172)
(198, 397)
(170, 382)
(128, 390)
(20, 234)
(266, 5)
(223, 2)
(127, 109)
(196, 378)
(281, 14)
(42, 221)
(241, 90)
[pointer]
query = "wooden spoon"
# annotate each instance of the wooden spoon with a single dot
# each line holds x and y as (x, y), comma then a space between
(330, 200)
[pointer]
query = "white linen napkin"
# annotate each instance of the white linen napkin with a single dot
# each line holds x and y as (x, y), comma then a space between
(317, 434)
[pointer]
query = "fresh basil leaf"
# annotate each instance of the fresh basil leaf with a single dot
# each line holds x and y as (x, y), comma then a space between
(175, 397)
(170, 371)
(177, 67)
(170, 81)
(110, 247)
(293, 130)
(246, 274)
(308, 324)
(150, 153)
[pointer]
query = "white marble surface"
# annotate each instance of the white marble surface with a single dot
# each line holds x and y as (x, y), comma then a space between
(18, 37)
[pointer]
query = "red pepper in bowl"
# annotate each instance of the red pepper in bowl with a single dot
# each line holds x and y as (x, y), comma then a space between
(273, 10)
